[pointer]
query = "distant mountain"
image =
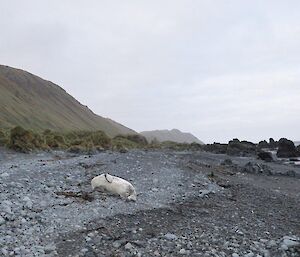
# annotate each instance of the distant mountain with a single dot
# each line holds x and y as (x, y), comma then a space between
(174, 135)
(297, 143)
(35, 103)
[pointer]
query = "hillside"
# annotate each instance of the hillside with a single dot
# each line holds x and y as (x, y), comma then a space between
(174, 135)
(35, 103)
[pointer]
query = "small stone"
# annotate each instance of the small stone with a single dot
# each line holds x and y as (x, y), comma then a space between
(84, 250)
(204, 192)
(235, 255)
(182, 251)
(271, 243)
(170, 236)
(2, 221)
(4, 251)
(251, 254)
(156, 253)
(128, 246)
(289, 242)
(116, 244)
(154, 189)
(49, 248)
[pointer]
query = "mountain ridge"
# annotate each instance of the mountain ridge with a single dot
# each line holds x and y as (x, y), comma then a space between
(174, 135)
(34, 103)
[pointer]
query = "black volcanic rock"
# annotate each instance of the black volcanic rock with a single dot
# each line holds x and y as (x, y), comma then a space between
(216, 148)
(266, 156)
(286, 149)
(240, 148)
(272, 143)
(263, 144)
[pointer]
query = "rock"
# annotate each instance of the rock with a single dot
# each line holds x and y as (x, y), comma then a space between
(84, 250)
(235, 255)
(2, 221)
(251, 254)
(129, 246)
(4, 174)
(266, 156)
(49, 248)
(182, 251)
(204, 192)
(116, 244)
(28, 202)
(286, 149)
(263, 144)
(216, 148)
(256, 168)
(289, 242)
(240, 148)
(6, 207)
(170, 236)
(272, 143)
(271, 243)
(227, 162)
(291, 173)
(4, 251)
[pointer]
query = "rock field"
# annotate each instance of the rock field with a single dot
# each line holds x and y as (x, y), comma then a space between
(189, 204)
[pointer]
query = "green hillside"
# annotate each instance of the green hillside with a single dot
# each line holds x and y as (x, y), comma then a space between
(34, 103)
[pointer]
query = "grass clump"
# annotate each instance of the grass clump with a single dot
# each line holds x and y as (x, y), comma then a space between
(125, 142)
(23, 140)
(3, 138)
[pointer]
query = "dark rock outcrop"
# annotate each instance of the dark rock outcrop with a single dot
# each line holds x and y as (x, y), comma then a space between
(216, 148)
(286, 149)
(266, 156)
(240, 148)
(263, 144)
(271, 145)
(256, 168)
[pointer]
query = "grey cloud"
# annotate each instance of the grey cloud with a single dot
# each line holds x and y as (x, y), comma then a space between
(219, 69)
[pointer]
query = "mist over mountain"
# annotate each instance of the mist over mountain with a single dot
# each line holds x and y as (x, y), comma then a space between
(34, 103)
(174, 135)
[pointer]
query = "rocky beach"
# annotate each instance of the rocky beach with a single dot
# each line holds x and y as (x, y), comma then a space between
(190, 203)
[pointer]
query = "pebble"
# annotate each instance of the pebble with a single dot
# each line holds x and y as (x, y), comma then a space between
(204, 192)
(116, 244)
(129, 246)
(2, 221)
(289, 242)
(170, 236)
(49, 248)
(182, 251)
(235, 255)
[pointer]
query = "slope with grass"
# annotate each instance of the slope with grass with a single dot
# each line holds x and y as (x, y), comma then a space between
(34, 103)
(173, 135)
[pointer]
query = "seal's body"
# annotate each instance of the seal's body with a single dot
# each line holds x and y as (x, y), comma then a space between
(114, 185)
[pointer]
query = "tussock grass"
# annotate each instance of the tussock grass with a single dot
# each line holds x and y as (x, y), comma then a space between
(24, 140)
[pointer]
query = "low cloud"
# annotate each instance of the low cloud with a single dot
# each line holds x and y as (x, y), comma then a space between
(219, 69)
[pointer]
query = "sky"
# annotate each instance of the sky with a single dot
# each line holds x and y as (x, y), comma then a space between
(220, 69)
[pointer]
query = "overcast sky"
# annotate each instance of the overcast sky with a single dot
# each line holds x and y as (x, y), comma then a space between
(218, 69)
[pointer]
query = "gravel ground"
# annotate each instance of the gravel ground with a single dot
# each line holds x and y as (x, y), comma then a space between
(189, 204)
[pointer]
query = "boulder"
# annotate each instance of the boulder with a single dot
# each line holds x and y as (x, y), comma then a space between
(266, 156)
(240, 148)
(215, 148)
(272, 143)
(286, 149)
(256, 168)
(263, 144)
